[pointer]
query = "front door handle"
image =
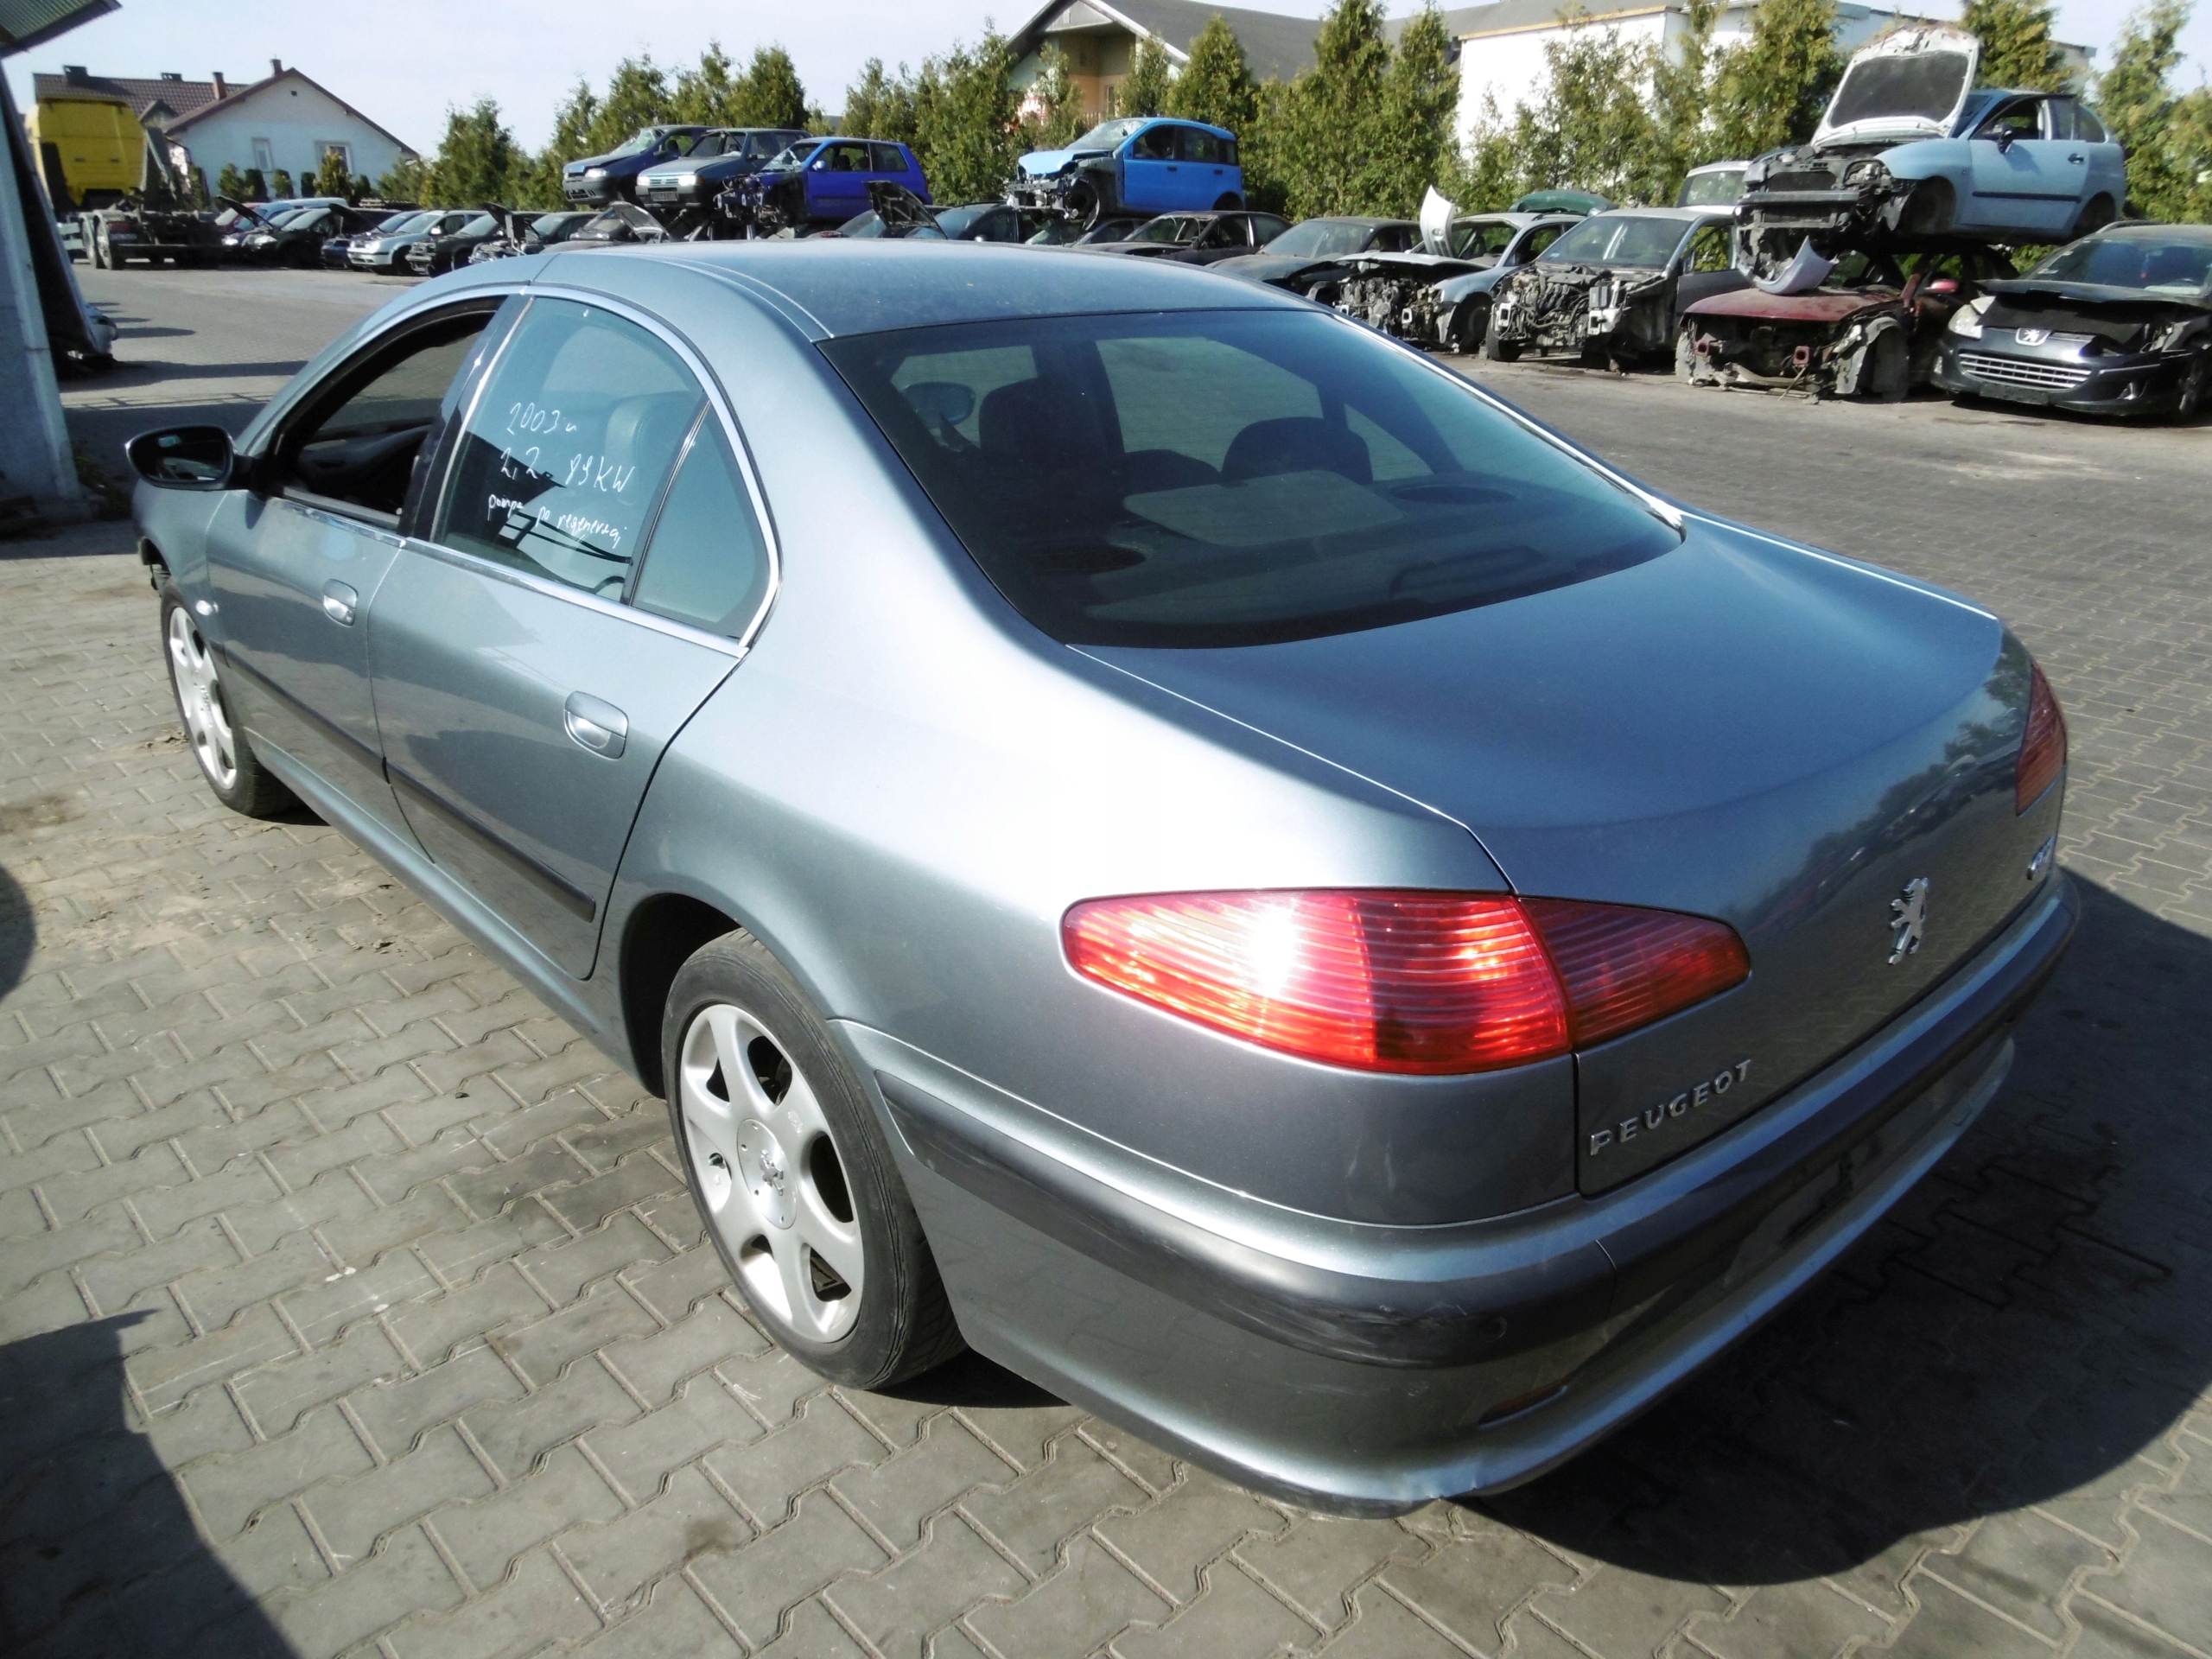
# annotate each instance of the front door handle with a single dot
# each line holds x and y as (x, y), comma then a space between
(2078, 160)
(599, 726)
(339, 602)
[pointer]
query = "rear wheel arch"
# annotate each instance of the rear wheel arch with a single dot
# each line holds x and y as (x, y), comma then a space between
(1229, 203)
(659, 938)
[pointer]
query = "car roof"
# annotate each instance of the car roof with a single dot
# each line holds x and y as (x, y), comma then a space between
(833, 288)
(2154, 232)
(1366, 221)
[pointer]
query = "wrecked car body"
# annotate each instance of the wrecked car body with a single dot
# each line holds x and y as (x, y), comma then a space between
(813, 185)
(2116, 323)
(1870, 331)
(1612, 290)
(1319, 244)
(1909, 154)
(1132, 164)
(896, 214)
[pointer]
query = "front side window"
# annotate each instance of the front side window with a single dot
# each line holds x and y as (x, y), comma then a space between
(1167, 228)
(359, 447)
(1712, 250)
(2014, 121)
(1153, 144)
(1226, 477)
(568, 449)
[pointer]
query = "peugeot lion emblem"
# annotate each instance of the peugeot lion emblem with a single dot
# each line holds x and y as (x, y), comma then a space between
(1908, 919)
(2031, 336)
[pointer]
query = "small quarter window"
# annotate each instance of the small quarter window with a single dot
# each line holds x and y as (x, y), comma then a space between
(707, 563)
(569, 448)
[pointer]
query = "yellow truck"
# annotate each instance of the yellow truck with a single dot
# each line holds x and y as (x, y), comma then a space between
(90, 147)
(114, 197)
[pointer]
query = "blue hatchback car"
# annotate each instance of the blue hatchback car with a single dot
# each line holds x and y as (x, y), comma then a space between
(822, 182)
(1137, 164)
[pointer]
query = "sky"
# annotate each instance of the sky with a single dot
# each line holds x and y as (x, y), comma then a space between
(404, 62)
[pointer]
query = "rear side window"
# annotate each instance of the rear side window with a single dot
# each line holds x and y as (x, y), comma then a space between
(888, 158)
(570, 444)
(707, 563)
(1226, 477)
(1195, 144)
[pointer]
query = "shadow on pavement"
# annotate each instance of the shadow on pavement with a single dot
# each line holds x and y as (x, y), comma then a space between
(18, 931)
(97, 1552)
(2037, 1311)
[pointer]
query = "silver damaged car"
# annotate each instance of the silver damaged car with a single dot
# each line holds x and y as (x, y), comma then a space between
(1139, 826)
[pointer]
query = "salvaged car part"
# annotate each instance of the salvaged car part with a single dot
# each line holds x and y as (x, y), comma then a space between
(2118, 323)
(1610, 289)
(1910, 155)
(1872, 331)
(767, 653)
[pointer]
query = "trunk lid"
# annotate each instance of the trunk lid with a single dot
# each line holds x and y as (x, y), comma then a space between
(1737, 729)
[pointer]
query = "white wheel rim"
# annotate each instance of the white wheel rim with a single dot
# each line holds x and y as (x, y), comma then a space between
(206, 719)
(769, 1174)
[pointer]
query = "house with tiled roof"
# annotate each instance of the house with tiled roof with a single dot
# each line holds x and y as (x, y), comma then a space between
(286, 121)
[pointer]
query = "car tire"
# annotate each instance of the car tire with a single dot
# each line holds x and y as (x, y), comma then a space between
(1929, 209)
(225, 756)
(1084, 204)
(1227, 204)
(1462, 333)
(1500, 350)
(793, 1176)
(1689, 368)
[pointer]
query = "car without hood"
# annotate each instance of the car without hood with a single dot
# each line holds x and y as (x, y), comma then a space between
(386, 247)
(896, 214)
(1134, 164)
(1612, 288)
(442, 253)
(681, 192)
(623, 224)
(1196, 238)
(2117, 323)
(1911, 154)
(942, 722)
(1313, 244)
(1870, 330)
(528, 235)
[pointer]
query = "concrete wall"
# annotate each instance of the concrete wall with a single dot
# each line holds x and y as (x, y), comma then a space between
(296, 119)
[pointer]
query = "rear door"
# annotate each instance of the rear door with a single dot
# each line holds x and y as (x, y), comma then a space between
(295, 566)
(582, 583)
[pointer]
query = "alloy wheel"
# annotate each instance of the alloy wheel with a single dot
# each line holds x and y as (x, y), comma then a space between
(200, 696)
(769, 1174)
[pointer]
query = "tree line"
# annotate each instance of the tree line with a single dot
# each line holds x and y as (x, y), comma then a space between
(1372, 125)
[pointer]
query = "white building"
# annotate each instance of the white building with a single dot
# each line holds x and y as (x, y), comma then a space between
(285, 121)
(1502, 62)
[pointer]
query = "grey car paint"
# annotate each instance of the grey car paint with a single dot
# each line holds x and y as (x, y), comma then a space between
(1327, 1284)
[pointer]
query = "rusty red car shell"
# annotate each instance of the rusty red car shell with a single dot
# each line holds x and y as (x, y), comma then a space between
(1824, 305)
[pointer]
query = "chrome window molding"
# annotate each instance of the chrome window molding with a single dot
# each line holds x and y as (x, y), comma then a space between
(711, 387)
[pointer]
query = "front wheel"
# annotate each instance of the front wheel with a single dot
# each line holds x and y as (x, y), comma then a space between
(227, 758)
(792, 1177)
(1499, 350)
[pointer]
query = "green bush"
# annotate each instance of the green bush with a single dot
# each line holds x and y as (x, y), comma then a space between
(233, 183)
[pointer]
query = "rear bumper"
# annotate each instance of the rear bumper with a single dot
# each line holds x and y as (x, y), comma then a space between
(2138, 384)
(1371, 1369)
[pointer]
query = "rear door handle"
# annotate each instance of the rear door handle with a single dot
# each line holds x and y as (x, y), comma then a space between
(599, 726)
(339, 602)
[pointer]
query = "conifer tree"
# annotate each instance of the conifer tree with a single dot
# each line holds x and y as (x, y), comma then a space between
(1773, 89)
(1149, 84)
(769, 94)
(2016, 49)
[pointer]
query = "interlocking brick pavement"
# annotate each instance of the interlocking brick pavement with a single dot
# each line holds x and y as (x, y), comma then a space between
(350, 1303)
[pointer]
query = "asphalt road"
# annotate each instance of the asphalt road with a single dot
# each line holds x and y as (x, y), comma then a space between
(346, 1294)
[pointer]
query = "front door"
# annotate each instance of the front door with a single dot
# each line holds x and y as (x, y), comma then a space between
(1150, 181)
(593, 557)
(836, 185)
(2022, 180)
(295, 564)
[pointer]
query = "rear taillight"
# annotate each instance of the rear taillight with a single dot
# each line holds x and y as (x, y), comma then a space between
(1403, 982)
(2043, 746)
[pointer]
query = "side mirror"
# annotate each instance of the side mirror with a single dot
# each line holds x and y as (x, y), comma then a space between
(183, 457)
(819, 166)
(2004, 140)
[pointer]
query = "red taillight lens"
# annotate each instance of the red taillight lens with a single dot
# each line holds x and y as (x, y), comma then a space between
(1403, 982)
(2043, 746)
(1625, 967)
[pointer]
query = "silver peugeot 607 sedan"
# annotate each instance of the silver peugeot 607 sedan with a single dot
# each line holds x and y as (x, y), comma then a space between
(1138, 825)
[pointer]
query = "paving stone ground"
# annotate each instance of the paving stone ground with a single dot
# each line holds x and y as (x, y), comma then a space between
(350, 1303)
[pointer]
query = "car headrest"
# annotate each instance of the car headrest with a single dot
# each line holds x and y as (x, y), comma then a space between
(1302, 443)
(643, 432)
(1035, 422)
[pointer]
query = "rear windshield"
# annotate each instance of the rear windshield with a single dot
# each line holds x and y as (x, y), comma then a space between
(1925, 84)
(2133, 262)
(1618, 239)
(1224, 478)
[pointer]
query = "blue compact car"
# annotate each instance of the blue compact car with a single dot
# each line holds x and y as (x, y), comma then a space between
(818, 181)
(1139, 824)
(1138, 164)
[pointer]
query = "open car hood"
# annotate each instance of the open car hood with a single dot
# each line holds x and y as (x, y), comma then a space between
(1910, 83)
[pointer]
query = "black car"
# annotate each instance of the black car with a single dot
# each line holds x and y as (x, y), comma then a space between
(2117, 323)
(332, 252)
(1198, 238)
(597, 180)
(689, 183)
(1061, 231)
(527, 235)
(896, 213)
(617, 225)
(439, 254)
(297, 238)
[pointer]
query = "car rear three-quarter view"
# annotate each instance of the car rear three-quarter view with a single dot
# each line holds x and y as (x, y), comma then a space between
(1143, 827)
